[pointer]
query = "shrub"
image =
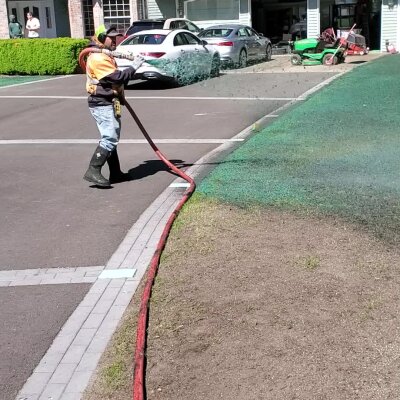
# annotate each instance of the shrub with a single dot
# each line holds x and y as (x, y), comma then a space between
(40, 56)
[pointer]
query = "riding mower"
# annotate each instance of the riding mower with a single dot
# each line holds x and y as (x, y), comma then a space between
(326, 50)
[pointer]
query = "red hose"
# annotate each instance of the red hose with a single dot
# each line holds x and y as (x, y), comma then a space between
(141, 333)
(139, 369)
(84, 53)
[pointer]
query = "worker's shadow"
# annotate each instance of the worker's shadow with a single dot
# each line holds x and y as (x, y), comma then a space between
(151, 167)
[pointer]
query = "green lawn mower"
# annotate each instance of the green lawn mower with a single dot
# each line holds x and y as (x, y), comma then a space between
(326, 50)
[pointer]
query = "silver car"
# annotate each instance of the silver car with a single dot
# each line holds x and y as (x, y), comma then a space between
(237, 44)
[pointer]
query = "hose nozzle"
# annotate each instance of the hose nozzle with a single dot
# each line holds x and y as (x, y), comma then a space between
(117, 54)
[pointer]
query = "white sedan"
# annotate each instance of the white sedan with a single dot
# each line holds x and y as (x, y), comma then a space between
(171, 55)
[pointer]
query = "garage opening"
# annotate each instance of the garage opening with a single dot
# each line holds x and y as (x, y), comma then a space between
(274, 18)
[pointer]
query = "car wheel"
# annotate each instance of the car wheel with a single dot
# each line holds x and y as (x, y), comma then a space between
(179, 81)
(215, 66)
(295, 59)
(268, 54)
(242, 59)
(329, 59)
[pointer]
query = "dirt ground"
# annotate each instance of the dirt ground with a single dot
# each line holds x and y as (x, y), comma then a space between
(263, 304)
(269, 305)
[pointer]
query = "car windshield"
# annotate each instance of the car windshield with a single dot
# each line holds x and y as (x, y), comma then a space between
(144, 39)
(142, 26)
(216, 32)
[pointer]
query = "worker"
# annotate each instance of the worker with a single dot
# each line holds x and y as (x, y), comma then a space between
(105, 85)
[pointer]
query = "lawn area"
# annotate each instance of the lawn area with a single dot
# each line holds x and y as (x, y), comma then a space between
(337, 154)
(13, 80)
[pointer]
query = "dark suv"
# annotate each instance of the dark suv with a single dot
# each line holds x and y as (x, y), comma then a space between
(162, 23)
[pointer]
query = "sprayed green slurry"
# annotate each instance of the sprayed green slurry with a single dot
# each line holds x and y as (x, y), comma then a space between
(185, 69)
(338, 153)
(13, 80)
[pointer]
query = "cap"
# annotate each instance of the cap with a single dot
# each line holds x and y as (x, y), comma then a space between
(102, 33)
(112, 32)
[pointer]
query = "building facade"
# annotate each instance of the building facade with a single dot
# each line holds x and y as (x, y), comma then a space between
(378, 20)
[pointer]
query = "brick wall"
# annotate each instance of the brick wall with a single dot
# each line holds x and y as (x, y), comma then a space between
(76, 18)
(3, 20)
(76, 21)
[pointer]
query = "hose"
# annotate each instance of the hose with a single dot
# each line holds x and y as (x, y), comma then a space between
(141, 333)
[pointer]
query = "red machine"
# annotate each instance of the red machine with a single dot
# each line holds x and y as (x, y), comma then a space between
(355, 43)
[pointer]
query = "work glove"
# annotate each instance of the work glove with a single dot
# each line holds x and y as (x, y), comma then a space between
(137, 62)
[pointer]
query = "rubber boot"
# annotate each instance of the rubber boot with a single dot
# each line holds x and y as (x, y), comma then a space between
(116, 175)
(93, 174)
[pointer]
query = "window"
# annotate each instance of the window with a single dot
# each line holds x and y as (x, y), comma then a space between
(144, 39)
(208, 33)
(35, 12)
(48, 18)
(179, 40)
(192, 27)
(251, 32)
(117, 13)
(142, 26)
(88, 17)
(181, 25)
(242, 32)
(192, 40)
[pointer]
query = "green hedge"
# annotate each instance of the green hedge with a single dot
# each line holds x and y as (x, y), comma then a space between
(40, 56)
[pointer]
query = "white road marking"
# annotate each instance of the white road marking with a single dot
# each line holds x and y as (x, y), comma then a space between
(127, 141)
(160, 98)
(285, 70)
(210, 113)
(117, 273)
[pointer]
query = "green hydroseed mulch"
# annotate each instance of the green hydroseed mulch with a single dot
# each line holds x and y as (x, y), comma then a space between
(338, 153)
(12, 80)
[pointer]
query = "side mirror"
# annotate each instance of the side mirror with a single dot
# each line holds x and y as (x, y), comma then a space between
(204, 42)
(260, 34)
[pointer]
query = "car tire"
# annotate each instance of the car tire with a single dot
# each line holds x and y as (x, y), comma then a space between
(215, 66)
(268, 54)
(242, 59)
(329, 59)
(295, 59)
(178, 82)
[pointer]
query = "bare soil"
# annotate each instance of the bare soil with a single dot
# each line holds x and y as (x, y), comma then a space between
(269, 305)
(262, 304)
